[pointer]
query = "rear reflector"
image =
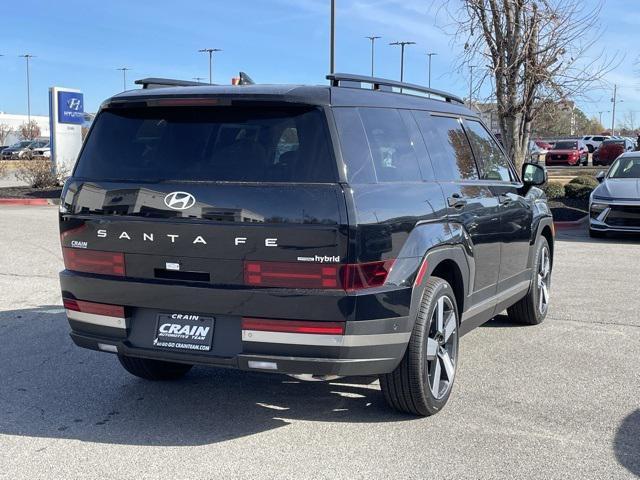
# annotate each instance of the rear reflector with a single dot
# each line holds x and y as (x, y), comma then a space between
(94, 308)
(93, 261)
(293, 326)
(421, 272)
(313, 275)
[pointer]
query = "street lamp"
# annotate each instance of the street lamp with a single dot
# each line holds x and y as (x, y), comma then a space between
(210, 51)
(124, 77)
(430, 54)
(27, 57)
(600, 115)
(615, 101)
(373, 41)
(402, 45)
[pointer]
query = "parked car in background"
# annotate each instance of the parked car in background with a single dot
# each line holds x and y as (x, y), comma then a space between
(594, 141)
(43, 151)
(22, 149)
(543, 145)
(614, 205)
(612, 149)
(567, 153)
(536, 151)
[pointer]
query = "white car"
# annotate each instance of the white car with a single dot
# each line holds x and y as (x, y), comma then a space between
(42, 151)
(594, 141)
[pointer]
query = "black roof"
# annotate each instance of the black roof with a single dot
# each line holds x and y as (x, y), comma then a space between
(322, 95)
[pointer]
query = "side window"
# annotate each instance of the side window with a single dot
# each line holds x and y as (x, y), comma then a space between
(448, 147)
(495, 164)
(393, 153)
(354, 146)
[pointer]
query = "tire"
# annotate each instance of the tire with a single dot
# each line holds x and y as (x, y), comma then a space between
(590, 148)
(409, 387)
(596, 233)
(532, 309)
(154, 369)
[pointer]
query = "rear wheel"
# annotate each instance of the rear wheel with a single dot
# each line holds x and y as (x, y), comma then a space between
(154, 369)
(532, 309)
(422, 383)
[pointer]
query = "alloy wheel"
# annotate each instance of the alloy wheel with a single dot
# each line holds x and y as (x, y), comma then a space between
(544, 280)
(442, 345)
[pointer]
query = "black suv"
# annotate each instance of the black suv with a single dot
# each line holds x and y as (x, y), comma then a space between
(319, 231)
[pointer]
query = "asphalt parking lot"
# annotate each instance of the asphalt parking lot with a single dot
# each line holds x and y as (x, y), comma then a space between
(555, 401)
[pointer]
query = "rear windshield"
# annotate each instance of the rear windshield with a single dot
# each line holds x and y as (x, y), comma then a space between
(236, 144)
(566, 146)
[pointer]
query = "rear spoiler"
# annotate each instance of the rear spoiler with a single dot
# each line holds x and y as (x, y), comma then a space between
(154, 82)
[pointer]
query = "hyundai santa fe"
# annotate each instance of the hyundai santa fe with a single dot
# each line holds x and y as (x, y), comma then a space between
(358, 228)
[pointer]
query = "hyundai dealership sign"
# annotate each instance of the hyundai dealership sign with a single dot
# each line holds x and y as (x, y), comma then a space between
(70, 107)
(66, 116)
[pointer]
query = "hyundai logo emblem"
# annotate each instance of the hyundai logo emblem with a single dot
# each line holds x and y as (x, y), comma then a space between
(74, 104)
(179, 200)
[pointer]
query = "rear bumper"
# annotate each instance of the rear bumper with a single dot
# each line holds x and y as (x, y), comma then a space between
(373, 343)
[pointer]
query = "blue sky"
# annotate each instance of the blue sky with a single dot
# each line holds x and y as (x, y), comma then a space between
(80, 44)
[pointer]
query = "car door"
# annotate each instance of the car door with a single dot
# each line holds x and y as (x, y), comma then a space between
(470, 201)
(515, 211)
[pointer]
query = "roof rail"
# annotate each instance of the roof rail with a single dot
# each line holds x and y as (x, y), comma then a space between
(356, 81)
(166, 82)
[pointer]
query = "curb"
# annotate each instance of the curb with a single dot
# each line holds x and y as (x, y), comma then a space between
(564, 225)
(35, 202)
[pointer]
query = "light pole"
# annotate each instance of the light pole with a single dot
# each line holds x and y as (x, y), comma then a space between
(332, 41)
(430, 54)
(124, 77)
(402, 45)
(27, 57)
(373, 41)
(600, 115)
(210, 51)
(615, 101)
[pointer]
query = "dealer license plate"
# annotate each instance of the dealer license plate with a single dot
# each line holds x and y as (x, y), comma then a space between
(184, 332)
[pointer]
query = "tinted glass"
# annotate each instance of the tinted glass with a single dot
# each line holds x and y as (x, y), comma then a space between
(565, 146)
(448, 147)
(626, 168)
(209, 144)
(495, 164)
(354, 146)
(394, 157)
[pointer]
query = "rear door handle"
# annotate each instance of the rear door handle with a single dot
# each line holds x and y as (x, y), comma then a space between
(456, 201)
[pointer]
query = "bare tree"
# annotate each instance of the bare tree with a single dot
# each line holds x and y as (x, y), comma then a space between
(536, 53)
(29, 131)
(5, 131)
(629, 122)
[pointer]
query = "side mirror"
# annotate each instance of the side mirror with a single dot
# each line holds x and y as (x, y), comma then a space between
(600, 176)
(533, 175)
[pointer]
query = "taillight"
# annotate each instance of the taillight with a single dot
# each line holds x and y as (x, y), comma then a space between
(311, 275)
(293, 275)
(293, 326)
(93, 308)
(366, 275)
(93, 261)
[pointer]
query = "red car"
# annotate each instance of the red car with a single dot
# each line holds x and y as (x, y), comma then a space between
(567, 153)
(610, 150)
(544, 145)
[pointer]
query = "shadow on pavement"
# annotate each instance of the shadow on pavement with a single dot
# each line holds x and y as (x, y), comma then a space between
(502, 321)
(627, 443)
(582, 235)
(51, 388)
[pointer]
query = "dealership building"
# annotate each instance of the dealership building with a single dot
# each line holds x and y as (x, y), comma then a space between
(15, 121)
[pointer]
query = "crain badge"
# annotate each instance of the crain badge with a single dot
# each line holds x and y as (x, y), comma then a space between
(179, 200)
(79, 244)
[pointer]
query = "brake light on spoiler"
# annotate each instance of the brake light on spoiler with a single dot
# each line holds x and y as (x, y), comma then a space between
(349, 277)
(93, 261)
